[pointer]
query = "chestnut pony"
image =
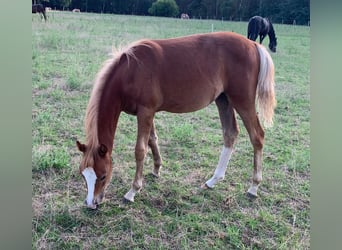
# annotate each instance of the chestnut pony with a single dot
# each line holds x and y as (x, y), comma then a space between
(177, 75)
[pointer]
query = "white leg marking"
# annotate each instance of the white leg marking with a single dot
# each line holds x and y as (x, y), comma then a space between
(254, 187)
(221, 167)
(253, 190)
(90, 177)
(130, 195)
(155, 172)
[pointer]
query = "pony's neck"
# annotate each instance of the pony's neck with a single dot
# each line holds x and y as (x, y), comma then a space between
(107, 123)
(104, 109)
(271, 33)
(103, 112)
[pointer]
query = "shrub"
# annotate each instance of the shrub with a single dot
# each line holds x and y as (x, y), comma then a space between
(165, 8)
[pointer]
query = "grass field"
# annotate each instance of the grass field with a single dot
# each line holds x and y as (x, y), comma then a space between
(170, 212)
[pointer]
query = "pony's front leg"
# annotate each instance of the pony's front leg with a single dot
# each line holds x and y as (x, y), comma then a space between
(145, 121)
(230, 132)
(221, 167)
(256, 135)
(257, 174)
(261, 38)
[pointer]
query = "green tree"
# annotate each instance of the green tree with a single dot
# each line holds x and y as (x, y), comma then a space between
(279, 11)
(166, 8)
(231, 9)
(65, 3)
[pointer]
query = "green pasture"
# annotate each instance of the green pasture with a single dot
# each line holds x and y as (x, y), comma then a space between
(171, 212)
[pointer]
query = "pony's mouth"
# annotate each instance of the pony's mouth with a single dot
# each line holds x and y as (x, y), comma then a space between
(95, 202)
(92, 205)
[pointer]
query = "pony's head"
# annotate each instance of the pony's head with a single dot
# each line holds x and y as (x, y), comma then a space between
(273, 45)
(96, 169)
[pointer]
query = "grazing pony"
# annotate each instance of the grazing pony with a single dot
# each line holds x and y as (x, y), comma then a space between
(259, 26)
(152, 75)
(39, 8)
(185, 16)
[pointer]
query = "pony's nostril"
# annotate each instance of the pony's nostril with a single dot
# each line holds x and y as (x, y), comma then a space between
(93, 205)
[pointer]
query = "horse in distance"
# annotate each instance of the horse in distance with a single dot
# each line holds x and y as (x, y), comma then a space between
(150, 76)
(259, 26)
(185, 16)
(39, 8)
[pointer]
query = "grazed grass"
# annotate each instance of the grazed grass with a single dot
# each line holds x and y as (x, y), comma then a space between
(170, 212)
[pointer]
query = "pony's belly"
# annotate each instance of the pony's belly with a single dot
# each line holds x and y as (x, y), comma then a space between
(189, 104)
(183, 109)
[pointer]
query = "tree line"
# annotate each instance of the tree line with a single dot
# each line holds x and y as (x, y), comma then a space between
(279, 11)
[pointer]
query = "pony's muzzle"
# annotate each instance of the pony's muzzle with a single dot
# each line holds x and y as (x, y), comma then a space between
(95, 202)
(92, 205)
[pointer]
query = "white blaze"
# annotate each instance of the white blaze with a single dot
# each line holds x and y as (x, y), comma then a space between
(90, 177)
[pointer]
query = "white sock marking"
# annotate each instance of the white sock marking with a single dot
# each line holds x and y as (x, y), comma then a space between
(254, 187)
(130, 195)
(253, 190)
(90, 177)
(221, 167)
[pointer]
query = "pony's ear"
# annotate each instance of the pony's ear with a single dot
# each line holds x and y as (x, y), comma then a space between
(81, 147)
(102, 150)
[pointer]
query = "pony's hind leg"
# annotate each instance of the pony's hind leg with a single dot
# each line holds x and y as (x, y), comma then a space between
(230, 132)
(153, 143)
(145, 122)
(256, 135)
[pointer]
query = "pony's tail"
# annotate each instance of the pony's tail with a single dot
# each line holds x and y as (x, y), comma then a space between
(265, 89)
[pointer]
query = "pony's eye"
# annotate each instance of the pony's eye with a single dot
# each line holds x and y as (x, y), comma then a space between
(102, 178)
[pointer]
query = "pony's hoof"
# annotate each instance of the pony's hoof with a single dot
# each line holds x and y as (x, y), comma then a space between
(92, 206)
(204, 186)
(126, 201)
(251, 196)
(252, 192)
(156, 172)
(129, 196)
(155, 175)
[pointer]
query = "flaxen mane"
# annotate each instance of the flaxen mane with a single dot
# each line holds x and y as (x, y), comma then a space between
(91, 119)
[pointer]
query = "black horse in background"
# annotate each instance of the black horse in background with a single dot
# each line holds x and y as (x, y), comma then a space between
(39, 8)
(259, 26)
